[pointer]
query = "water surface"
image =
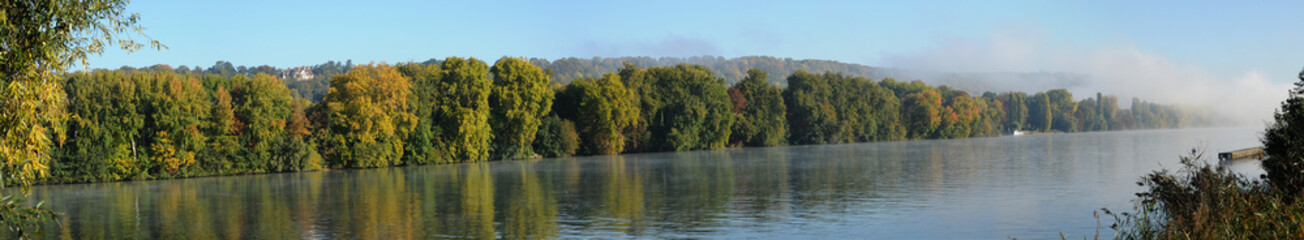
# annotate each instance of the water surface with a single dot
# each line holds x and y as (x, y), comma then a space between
(1029, 187)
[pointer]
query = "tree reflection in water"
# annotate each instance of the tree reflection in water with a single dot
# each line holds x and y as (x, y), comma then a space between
(767, 192)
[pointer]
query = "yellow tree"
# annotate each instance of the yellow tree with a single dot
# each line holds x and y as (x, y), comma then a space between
(519, 100)
(262, 105)
(603, 108)
(175, 107)
(369, 117)
(463, 109)
(922, 113)
(38, 40)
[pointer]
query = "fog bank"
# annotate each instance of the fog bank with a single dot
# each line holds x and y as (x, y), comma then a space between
(1127, 71)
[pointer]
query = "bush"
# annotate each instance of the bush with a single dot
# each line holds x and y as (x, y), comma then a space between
(21, 221)
(1201, 201)
(1284, 144)
(556, 138)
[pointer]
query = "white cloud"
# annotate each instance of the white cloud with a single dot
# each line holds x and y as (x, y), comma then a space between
(1011, 50)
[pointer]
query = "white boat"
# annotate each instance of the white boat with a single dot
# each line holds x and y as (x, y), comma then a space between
(1017, 133)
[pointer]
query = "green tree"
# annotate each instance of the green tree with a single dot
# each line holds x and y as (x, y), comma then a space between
(692, 109)
(1090, 115)
(1283, 142)
(1062, 107)
(174, 107)
(262, 105)
(811, 117)
(223, 140)
(1109, 110)
(877, 110)
(1040, 112)
(556, 137)
(603, 109)
(38, 41)
(1016, 110)
(296, 151)
(518, 101)
(991, 117)
(902, 89)
(102, 129)
(638, 135)
(463, 110)
(424, 144)
(762, 119)
(834, 108)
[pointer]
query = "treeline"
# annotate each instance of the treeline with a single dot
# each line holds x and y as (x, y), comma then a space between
(160, 122)
(313, 88)
(733, 70)
(153, 124)
(563, 70)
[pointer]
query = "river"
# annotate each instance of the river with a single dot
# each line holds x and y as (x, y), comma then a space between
(1029, 187)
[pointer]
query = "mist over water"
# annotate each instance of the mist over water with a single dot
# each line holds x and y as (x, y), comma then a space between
(1026, 61)
(1127, 71)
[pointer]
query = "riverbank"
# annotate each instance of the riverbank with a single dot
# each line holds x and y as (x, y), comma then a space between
(1207, 201)
(536, 158)
(1039, 185)
(162, 123)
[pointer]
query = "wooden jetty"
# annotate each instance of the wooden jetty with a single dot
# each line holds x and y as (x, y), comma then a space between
(1254, 152)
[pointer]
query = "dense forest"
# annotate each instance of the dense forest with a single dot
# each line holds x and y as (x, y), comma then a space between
(160, 122)
(565, 70)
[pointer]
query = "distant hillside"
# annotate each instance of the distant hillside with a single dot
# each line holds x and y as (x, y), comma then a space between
(731, 69)
(564, 70)
(997, 81)
(734, 69)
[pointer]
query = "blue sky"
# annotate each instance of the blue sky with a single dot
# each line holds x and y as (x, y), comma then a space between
(1225, 39)
(1236, 57)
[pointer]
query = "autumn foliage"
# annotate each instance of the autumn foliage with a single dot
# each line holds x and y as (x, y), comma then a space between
(165, 122)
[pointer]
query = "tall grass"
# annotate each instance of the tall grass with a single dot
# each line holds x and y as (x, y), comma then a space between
(1202, 201)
